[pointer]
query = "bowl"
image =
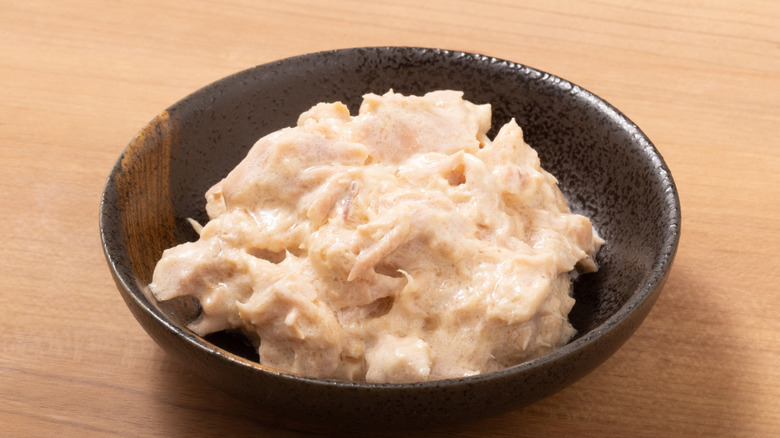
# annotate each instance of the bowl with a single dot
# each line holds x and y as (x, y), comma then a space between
(606, 167)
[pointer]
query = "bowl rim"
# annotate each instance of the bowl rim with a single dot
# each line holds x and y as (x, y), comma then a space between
(658, 270)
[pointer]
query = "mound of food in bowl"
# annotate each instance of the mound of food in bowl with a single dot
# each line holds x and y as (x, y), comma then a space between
(400, 244)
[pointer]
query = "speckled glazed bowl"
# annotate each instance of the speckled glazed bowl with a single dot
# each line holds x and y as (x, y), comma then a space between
(606, 167)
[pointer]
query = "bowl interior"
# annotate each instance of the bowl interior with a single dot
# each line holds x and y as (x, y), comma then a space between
(607, 169)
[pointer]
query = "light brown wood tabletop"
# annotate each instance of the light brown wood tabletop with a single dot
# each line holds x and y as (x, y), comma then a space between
(79, 79)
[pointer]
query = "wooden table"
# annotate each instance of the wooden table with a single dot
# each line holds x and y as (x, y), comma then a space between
(78, 79)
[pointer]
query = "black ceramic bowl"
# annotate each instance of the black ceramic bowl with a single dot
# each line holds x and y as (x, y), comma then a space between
(607, 169)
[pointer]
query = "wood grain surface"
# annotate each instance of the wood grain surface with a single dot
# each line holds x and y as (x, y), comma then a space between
(79, 79)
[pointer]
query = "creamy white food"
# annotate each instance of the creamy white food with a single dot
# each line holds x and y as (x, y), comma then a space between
(398, 245)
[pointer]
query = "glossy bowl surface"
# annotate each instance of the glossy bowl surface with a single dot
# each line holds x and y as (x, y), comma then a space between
(607, 168)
